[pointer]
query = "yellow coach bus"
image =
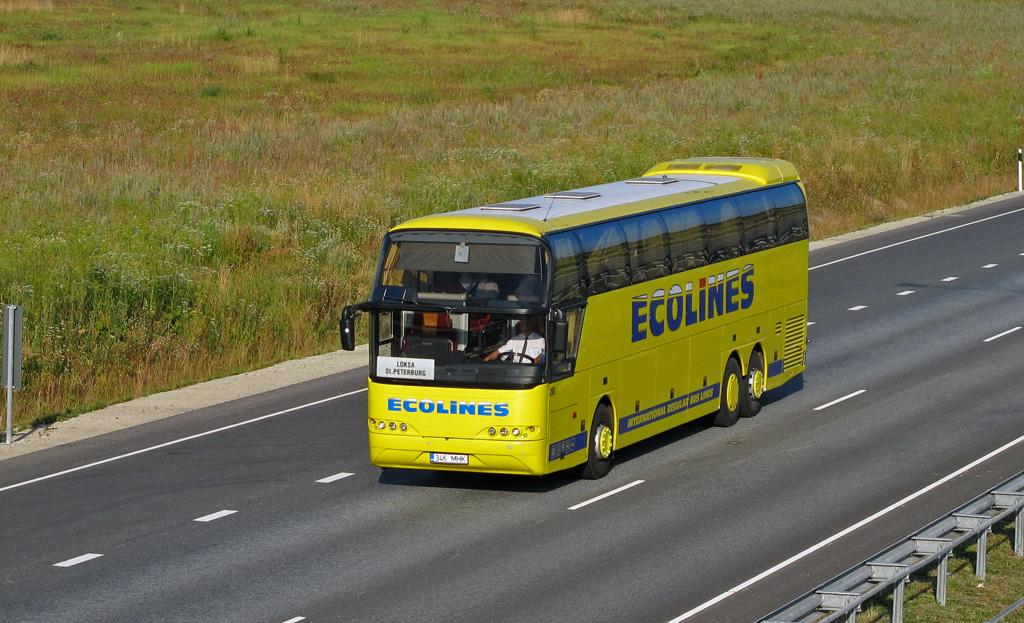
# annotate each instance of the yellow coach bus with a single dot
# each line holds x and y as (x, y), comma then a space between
(541, 334)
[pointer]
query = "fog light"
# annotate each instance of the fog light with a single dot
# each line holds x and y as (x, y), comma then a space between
(404, 427)
(392, 426)
(381, 425)
(491, 431)
(504, 432)
(516, 432)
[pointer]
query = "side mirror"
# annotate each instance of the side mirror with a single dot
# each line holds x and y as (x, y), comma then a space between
(348, 328)
(559, 335)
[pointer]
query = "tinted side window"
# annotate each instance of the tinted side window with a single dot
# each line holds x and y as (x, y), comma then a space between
(607, 256)
(758, 221)
(686, 237)
(790, 213)
(725, 229)
(648, 245)
(569, 274)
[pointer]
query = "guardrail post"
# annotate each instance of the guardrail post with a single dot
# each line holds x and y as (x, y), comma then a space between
(1009, 499)
(967, 523)
(979, 564)
(926, 546)
(1018, 532)
(941, 577)
(882, 571)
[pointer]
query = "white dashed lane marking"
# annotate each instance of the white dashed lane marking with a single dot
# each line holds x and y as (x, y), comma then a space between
(1003, 334)
(606, 495)
(335, 478)
(838, 400)
(78, 560)
(215, 516)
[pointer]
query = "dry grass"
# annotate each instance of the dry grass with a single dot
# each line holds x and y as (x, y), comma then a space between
(16, 56)
(11, 6)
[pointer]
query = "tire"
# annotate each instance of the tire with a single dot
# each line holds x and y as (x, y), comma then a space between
(731, 390)
(600, 444)
(750, 396)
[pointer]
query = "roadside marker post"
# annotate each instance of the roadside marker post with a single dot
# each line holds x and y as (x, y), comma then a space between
(13, 323)
(1020, 170)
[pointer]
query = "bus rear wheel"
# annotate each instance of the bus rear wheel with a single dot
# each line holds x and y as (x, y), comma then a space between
(750, 399)
(732, 389)
(599, 448)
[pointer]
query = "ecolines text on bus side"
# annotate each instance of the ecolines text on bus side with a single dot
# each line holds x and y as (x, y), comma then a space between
(691, 304)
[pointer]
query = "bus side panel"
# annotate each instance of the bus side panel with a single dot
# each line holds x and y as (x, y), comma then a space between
(643, 389)
(568, 422)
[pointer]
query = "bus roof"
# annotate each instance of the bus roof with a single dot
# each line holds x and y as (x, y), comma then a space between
(669, 183)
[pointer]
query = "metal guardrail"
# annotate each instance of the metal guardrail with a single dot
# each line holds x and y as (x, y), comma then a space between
(840, 598)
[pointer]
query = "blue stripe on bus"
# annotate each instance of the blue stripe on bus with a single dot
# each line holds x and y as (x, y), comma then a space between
(565, 447)
(776, 368)
(667, 409)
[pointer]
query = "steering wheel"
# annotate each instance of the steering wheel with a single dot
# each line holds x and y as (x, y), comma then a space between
(510, 357)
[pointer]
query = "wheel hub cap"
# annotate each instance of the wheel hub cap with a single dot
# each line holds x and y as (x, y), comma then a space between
(757, 384)
(603, 441)
(732, 393)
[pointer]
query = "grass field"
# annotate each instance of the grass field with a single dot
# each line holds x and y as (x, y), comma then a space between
(192, 188)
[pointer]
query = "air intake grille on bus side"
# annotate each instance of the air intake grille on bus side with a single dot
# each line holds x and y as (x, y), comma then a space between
(796, 337)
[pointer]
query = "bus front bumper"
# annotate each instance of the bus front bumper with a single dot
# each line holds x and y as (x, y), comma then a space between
(497, 456)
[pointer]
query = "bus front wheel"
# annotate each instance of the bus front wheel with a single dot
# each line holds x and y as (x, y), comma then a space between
(599, 450)
(733, 386)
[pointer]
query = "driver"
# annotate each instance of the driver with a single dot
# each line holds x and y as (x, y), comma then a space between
(526, 347)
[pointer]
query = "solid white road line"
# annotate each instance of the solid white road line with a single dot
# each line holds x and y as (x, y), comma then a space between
(838, 535)
(609, 494)
(902, 242)
(79, 560)
(335, 477)
(838, 400)
(182, 440)
(215, 516)
(1003, 334)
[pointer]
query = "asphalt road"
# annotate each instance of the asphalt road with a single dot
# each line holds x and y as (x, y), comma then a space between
(266, 509)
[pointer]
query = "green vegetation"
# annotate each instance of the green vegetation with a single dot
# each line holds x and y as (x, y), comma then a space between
(192, 188)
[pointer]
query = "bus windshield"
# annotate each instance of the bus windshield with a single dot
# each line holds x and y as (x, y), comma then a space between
(462, 269)
(460, 309)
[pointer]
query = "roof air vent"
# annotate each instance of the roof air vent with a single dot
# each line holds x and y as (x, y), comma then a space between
(573, 194)
(660, 181)
(511, 206)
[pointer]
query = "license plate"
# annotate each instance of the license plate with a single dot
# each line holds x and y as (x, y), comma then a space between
(449, 459)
